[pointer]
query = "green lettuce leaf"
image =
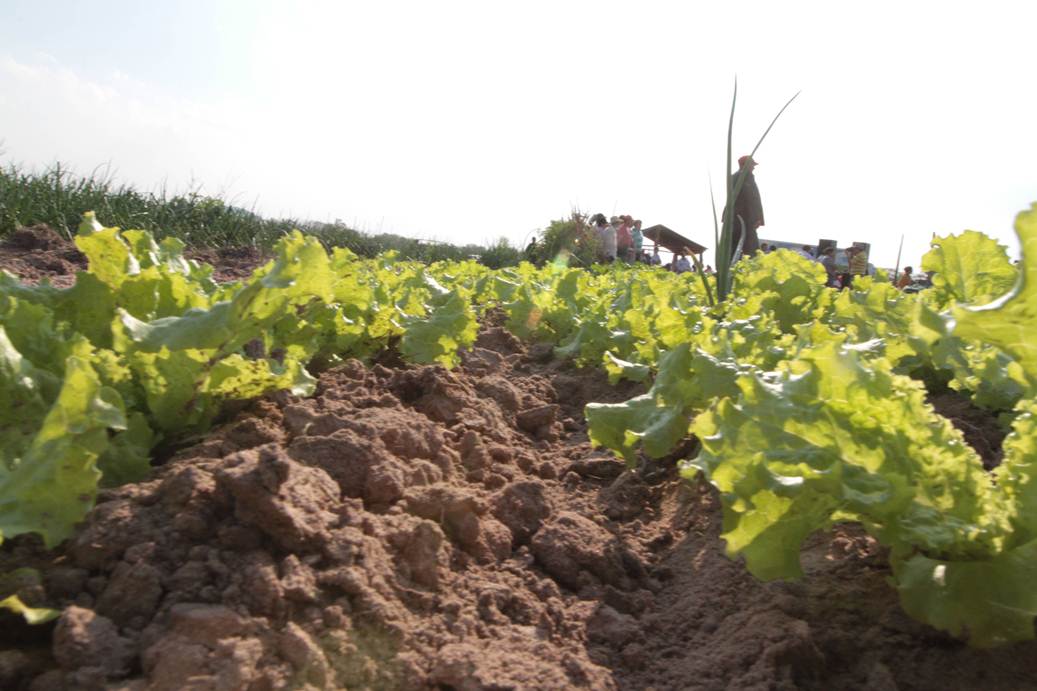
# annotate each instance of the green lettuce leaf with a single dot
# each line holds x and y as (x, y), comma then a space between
(51, 487)
(989, 602)
(837, 436)
(32, 615)
(970, 269)
(1010, 322)
(658, 420)
(450, 326)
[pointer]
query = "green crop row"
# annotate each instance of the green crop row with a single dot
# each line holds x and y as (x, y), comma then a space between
(807, 402)
(809, 408)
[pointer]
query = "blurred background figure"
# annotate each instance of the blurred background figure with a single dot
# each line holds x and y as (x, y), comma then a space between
(827, 259)
(905, 278)
(748, 208)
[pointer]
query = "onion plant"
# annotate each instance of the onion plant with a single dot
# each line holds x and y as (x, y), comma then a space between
(726, 253)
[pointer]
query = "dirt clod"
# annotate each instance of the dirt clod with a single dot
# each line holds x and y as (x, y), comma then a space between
(84, 639)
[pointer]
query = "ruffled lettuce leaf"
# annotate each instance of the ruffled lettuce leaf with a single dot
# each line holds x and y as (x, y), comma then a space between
(1010, 322)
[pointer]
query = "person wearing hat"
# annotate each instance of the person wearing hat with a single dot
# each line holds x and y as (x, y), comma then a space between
(624, 240)
(858, 261)
(905, 278)
(598, 224)
(748, 208)
(827, 260)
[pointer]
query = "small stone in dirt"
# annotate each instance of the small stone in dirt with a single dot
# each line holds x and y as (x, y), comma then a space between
(134, 590)
(522, 507)
(204, 623)
(66, 582)
(54, 680)
(85, 639)
(421, 549)
(499, 340)
(500, 453)
(540, 352)
(494, 481)
(15, 666)
(481, 359)
(598, 468)
(234, 664)
(500, 390)
(625, 498)
(261, 588)
(251, 432)
(296, 646)
(467, 667)
(404, 434)
(576, 551)
(459, 512)
(613, 628)
(634, 656)
(533, 419)
(880, 678)
(437, 502)
(547, 471)
(298, 580)
(474, 454)
(239, 538)
(635, 602)
(292, 503)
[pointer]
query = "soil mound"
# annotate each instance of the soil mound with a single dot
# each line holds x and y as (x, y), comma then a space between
(37, 253)
(980, 427)
(230, 263)
(404, 528)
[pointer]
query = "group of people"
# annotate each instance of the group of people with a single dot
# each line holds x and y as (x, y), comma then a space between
(621, 238)
(858, 264)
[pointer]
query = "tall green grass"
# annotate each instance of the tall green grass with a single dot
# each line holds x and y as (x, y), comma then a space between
(58, 197)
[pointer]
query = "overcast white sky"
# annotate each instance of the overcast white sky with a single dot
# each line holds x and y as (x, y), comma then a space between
(470, 121)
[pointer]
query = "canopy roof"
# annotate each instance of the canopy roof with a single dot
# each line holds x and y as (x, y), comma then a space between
(671, 240)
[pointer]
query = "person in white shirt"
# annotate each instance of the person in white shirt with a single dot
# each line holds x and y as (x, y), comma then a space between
(608, 239)
(656, 260)
(683, 265)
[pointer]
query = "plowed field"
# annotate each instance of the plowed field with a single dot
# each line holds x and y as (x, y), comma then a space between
(416, 528)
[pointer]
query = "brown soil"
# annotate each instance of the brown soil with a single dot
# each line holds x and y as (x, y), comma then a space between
(414, 528)
(980, 427)
(37, 253)
(231, 263)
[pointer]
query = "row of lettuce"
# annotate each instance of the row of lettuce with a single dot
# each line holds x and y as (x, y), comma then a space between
(810, 409)
(802, 397)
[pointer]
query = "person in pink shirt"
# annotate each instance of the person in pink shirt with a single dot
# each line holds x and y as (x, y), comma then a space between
(624, 240)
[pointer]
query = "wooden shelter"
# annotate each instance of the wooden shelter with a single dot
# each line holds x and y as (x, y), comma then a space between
(671, 240)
